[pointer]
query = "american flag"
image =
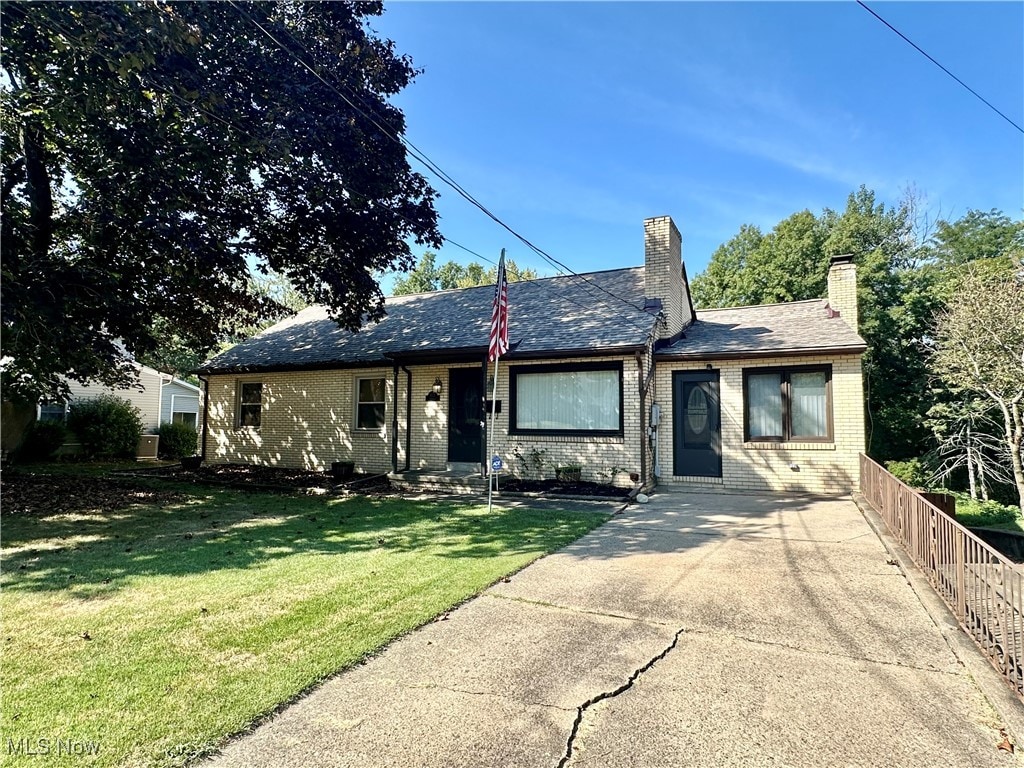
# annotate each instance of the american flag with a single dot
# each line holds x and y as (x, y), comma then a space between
(498, 344)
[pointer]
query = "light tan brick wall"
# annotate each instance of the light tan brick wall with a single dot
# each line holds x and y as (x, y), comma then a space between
(307, 421)
(430, 419)
(826, 468)
(598, 455)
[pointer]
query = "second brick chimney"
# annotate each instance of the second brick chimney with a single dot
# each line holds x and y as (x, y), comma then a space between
(842, 288)
(664, 276)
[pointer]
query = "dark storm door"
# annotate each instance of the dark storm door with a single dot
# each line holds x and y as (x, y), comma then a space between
(465, 411)
(696, 424)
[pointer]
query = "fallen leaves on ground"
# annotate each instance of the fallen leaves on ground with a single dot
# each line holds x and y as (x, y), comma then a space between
(1006, 745)
(31, 494)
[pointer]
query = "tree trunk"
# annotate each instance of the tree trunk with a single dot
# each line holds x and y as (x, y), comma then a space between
(970, 466)
(1014, 425)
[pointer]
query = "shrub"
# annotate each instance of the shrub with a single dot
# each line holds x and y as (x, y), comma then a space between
(913, 472)
(106, 427)
(975, 512)
(178, 440)
(42, 441)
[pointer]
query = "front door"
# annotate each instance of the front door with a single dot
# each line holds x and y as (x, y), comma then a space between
(696, 424)
(465, 411)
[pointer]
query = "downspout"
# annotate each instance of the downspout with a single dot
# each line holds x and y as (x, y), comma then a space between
(394, 423)
(206, 412)
(160, 403)
(408, 419)
(643, 417)
(645, 386)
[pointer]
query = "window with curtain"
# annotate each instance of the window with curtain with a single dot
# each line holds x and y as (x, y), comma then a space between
(371, 397)
(783, 404)
(567, 399)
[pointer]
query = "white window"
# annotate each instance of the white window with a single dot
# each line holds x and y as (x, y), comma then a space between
(185, 417)
(788, 404)
(250, 403)
(53, 412)
(371, 396)
(578, 398)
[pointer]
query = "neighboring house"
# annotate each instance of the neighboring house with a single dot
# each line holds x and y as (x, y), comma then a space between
(159, 397)
(611, 370)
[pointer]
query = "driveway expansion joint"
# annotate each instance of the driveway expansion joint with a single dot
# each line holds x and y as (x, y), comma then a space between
(741, 535)
(572, 609)
(829, 654)
(571, 741)
(469, 692)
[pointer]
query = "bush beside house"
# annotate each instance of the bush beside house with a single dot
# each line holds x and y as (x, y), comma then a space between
(42, 440)
(106, 427)
(178, 440)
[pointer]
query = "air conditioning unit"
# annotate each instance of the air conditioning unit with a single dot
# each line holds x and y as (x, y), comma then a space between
(148, 447)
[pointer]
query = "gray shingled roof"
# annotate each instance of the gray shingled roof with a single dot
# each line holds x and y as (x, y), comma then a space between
(552, 315)
(799, 327)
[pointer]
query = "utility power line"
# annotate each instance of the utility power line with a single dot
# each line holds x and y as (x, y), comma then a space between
(937, 64)
(424, 159)
(232, 125)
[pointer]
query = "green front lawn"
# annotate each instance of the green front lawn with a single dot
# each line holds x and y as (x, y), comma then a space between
(155, 631)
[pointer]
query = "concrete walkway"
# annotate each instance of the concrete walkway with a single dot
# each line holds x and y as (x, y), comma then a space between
(698, 630)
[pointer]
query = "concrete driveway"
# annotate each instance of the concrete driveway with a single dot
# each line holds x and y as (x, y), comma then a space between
(697, 630)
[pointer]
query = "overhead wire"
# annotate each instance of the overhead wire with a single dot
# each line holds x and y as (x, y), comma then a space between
(424, 159)
(930, 58)
(55, 26)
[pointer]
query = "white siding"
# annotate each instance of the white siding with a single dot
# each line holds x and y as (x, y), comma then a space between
(145, 396)
(179, 397)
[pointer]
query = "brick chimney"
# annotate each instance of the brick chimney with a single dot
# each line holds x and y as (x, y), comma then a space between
(842, 288)
(664, 276)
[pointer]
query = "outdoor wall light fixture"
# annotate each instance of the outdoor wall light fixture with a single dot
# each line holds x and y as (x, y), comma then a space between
(434, 395)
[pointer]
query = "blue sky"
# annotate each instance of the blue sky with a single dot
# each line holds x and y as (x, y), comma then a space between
(575, 121)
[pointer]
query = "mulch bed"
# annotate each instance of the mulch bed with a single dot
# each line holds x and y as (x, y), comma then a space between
(561, 487)
(30, 494)
(249, 476)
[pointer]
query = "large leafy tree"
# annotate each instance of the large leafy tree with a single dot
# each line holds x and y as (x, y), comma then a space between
(979, 348)
(754, 268)
(791, 263)
(154, 154)
(427, 276)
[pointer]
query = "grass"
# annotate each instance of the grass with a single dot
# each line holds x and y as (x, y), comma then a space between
(155, 632)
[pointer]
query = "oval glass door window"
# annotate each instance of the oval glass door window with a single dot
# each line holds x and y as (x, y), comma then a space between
(697, 410)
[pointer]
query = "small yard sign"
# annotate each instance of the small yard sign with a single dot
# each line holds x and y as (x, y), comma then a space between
(496, 464)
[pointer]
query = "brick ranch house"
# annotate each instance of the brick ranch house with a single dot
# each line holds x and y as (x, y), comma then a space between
(760, 398)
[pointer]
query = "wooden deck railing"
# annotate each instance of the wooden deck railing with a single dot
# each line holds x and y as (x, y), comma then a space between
(984, 589)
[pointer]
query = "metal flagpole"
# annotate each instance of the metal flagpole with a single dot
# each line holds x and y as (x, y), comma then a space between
(491, 474)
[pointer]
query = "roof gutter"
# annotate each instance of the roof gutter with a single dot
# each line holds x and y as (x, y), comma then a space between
(455, 355)
(663, 357)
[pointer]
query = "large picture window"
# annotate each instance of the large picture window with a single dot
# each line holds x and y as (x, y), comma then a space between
(250, 403)
(579, 398)
(371, 397)
(788, 404)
